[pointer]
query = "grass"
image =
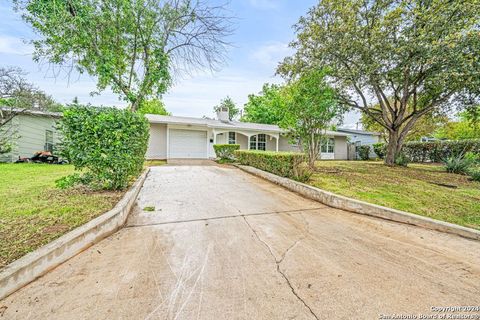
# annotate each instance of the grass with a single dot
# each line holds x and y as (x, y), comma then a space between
(154, 163)
(424, 189)
(34, 212)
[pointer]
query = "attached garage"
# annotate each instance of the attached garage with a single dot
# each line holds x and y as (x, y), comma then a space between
(190, 144)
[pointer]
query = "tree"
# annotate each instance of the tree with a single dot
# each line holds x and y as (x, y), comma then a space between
(386, 55)
(233, 110)
(266, 107)
(464, 128)
(426, 126)
(311, 106)
(153, 106)
(132, 46)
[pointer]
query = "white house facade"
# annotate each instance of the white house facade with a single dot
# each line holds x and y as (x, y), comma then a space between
(193, 138)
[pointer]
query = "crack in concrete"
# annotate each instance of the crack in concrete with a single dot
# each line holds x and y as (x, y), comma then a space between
(278, 262)
(300, 211)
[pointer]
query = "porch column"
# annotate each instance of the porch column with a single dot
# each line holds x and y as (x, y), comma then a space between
(277, 143)
(214, 137)
(248, 142)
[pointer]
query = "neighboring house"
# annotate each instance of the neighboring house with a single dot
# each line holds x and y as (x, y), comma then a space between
(29, 131)
(184, 137)
(362, 138)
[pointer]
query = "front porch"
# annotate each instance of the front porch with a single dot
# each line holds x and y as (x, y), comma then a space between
(247, 140)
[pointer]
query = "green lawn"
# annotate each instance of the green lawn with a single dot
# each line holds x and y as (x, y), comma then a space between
(33, 211)
(423, 189)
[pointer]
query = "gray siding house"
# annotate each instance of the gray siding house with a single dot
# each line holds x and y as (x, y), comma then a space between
(362, 138)
(28, 132)
(186, 137)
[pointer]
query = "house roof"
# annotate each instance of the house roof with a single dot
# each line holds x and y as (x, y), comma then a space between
(217, 124)
(352, 131)
(32, 112)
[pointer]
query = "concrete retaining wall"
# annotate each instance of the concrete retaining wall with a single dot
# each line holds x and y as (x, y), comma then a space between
(36, 263)
(357, 206)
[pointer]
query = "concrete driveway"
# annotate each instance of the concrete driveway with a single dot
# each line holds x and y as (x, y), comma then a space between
(222, 244)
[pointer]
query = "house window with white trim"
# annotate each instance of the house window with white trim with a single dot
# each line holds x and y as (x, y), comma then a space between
(48, 140)
(232, 138)
(253, 143)
(328, 146)
(258, 142)
(262, 142)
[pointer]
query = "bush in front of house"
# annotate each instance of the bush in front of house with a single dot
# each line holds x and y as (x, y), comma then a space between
(226, 151)
(474, 173)
(286, 164)
(364, 152)
(458, 164)
(380, 149)
(106, 145)
(437, 151)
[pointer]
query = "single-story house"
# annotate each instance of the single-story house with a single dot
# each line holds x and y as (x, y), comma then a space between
(28, 131)
(174, 137)
(362, 138)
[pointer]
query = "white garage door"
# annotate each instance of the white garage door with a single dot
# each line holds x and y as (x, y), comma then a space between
(187, 144)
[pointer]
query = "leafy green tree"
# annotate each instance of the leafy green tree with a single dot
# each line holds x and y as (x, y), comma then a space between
(462, 129)
(132, 46)
(311, 106)
(386, 55)
(153, 106)
(426, 126)
(233, 110)
(265, 107)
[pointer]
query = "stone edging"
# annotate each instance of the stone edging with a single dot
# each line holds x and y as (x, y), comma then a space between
(35, 264)
(357, 206)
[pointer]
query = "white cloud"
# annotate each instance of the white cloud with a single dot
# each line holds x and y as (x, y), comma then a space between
(13, 45)
(264, 4)
(271, 54)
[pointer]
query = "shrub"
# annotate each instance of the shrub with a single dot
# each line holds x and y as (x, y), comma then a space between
(474, 173)
(286, 164)
(107, 145)
(457, 164)
(436, 151)
(402, 160)
(225, 151)
(380, 149)
(364, 152)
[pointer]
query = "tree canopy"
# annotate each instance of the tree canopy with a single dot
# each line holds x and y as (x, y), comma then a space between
(463, 128)
(386, 55)
(153, 106)
(310, 108)
(133, 46)
(265, 107)
(233, 110)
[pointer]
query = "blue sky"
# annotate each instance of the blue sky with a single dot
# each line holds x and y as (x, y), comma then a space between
(263, 29)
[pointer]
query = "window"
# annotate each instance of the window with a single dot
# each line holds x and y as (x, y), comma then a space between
(328, 146)
(49, 140)
(253, 143)
(258, 142)
(262, 142)
(231, 138)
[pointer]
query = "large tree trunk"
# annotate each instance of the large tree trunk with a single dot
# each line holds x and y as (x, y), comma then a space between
(394, 146)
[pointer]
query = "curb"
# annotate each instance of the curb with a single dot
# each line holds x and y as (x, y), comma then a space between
(358, 206)
(35, 264)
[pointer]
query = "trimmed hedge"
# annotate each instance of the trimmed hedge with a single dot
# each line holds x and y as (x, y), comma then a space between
(107, 145)
(286, 164)
(225, 151)
(437, 151)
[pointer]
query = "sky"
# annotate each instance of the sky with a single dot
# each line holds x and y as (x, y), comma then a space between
(262, 32)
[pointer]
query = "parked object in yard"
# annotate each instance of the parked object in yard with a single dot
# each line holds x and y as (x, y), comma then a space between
(42, 157)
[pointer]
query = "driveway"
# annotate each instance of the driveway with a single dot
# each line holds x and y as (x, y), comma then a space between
(222, 244)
